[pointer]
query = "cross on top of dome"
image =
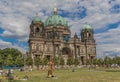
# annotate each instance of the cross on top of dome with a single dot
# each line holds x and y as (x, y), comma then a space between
(55, 9)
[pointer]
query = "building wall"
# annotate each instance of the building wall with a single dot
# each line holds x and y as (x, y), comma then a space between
(50, 41)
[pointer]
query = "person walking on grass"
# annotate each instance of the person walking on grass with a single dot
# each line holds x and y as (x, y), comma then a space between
(50, 68)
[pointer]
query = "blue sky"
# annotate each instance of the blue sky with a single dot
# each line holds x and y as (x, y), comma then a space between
(102, 15)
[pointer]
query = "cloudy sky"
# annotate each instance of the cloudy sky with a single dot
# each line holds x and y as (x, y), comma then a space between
(102, 15)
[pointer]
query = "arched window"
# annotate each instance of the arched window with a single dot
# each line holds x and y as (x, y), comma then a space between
(48, 34)
(59, 21)
(58, 34)
(81, 50)
(89, 35)
(37, 46)
(50, 22)
(37, 29)
(51, 34)
(48, 48)
(55, 34)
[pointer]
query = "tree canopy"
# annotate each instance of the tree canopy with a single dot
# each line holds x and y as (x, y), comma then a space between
(11, 57)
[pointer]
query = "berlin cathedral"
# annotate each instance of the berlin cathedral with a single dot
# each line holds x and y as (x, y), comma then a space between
(52, 38)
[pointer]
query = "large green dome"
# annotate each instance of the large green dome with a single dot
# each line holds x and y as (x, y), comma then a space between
(55, 20)
(36, 19)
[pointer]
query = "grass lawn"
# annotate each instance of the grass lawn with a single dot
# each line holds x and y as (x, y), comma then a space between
(80, 75)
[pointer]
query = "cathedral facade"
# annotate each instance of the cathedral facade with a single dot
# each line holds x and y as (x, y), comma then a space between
(52, 38)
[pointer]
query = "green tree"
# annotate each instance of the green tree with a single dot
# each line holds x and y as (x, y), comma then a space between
(38, 62)
(19, 61)
(14, 53)
(117, 60)
(1, 61)
(29, 60)
(62, 62)
(56, 61)
(76, 62)
(5, 53)
(100, 61)
(88, 62)
(9, 60)
(107, 61)
(95, 61)
(45, 61)
(10, 51)
(114, 61)
(70, 61)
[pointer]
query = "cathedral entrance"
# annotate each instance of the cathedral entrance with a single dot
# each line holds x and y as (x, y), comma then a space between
(48, 57)
(92, 58)
(82, 60)
(66, 51)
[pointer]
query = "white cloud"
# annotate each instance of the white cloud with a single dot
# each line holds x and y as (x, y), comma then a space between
(5, 44)
(15, 26)
(108, 41)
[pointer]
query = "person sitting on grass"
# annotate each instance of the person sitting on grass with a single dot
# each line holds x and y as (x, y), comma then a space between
(25, 78)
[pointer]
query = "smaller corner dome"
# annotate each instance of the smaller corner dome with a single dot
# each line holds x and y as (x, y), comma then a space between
(87, 26)
(36, 19)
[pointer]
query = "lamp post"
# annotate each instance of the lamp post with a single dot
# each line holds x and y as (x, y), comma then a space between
(57, 56)
(24, 59)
